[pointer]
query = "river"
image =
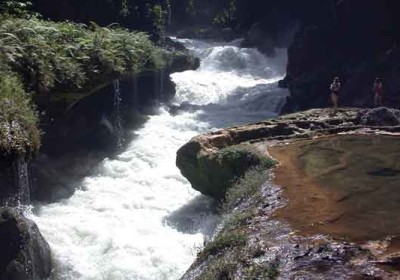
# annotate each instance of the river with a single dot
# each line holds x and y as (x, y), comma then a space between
(136, 217)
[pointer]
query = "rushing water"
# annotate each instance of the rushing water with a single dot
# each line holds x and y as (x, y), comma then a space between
(136, 217)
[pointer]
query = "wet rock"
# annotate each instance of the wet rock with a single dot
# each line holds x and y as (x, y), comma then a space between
(227, 34)
(346, 43)
(257, 38)
(25, 254)
(380, 117)
(213, 173)
(14, 185)
(183, 61)
(212, 161)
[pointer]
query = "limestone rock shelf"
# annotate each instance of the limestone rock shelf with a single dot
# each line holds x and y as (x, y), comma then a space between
(331, 210)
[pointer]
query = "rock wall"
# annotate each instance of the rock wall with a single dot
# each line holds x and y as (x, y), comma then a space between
(357, 42)
(14, 181)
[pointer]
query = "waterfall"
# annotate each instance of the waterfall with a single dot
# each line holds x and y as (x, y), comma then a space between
(23, 192)
(136, 217)
(14, 183)
(117, 116)
(162, 74)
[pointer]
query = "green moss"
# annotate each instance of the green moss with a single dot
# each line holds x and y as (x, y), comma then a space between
(259, 271)
(18, 119)
(221, 268)
(245, 188)
(238, 220)
(223, 241)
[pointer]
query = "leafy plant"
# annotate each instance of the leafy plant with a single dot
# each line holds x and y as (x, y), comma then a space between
(70, 57)
(18, 119)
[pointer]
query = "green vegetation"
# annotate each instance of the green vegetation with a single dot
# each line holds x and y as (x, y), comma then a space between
(221, 268)
(233, 256)
(62, 59)
(18, 119)
(223, 241)
(245, 188)
(237, 220)
(261, 272)
(226, 17)
(72, 57)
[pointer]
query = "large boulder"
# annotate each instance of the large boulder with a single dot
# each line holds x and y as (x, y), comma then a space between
(25, 254)
(380, 117)
(213, 173)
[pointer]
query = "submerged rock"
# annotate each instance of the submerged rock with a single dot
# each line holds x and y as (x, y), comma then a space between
(25, 254)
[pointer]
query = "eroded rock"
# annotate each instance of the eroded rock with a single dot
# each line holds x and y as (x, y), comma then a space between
(212, 161)
(25, 254)
(380, 117)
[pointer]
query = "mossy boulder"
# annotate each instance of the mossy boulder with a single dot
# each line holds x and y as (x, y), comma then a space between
(213, 173)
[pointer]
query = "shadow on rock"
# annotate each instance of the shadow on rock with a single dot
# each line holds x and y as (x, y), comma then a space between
(199, 215)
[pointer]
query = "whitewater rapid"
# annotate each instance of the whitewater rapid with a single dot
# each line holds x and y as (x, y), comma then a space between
(136, 217)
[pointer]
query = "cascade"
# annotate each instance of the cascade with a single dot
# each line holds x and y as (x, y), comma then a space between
(117, 116)
(23, 192)
(136, 216)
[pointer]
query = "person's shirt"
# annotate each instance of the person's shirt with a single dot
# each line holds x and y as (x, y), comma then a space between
(335, 86)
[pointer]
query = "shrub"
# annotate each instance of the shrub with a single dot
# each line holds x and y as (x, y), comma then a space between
(18, 119)
(66, 56)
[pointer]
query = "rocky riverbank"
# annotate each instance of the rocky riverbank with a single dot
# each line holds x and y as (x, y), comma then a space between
(263, 235)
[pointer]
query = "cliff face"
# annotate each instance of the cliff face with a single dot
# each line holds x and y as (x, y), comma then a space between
(357, 42)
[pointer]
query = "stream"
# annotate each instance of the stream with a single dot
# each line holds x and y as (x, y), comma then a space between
(136, 216)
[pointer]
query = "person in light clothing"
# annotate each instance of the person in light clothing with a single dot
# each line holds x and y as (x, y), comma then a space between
(335, 89)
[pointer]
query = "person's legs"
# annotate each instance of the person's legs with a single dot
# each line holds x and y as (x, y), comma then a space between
(376, 99)
(380, 100)
(335, 102)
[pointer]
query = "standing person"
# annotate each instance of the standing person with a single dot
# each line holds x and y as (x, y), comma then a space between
(335, 88)
(378, 90)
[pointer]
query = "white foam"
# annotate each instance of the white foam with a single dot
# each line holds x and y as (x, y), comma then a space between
(125, 223)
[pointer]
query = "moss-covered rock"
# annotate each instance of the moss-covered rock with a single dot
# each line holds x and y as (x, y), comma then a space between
(213, 161)
(212, 174)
